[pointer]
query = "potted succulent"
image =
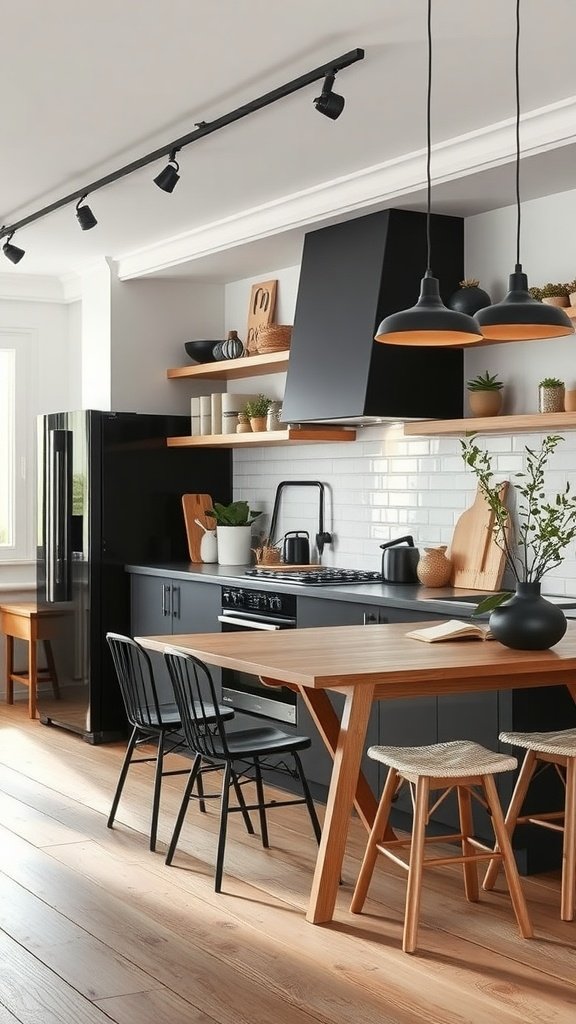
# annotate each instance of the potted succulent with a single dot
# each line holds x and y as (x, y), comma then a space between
(257, 410)
(485, 394)
(233, 531)
(533, 544)
(469, 297)
(551, 395)
(555, 294)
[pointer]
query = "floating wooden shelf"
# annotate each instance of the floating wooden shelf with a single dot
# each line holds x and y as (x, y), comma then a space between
(570, 311)
(534, 422)
(292, 435)
(234, 369)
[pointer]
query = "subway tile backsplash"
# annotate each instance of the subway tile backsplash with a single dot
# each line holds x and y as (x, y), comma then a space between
(385, 485)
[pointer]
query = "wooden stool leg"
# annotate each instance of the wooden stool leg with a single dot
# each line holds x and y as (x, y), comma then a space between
(32, 677)
(470, 869)
(9, 669)
(569, 850)
(412, 914)
(52, 668)
(375, 837)
(516, 803)
(503, 841)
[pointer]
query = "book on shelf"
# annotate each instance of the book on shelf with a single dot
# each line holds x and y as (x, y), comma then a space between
(195, 417)
(216, 412)
(454, 629)
(205, 414)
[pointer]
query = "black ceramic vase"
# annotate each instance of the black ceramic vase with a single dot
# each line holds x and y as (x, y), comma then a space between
(469, 300)
(527, 621)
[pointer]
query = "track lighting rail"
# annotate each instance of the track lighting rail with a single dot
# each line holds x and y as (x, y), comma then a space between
(202, 130)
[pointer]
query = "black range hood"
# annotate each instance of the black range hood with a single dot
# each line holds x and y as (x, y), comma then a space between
(353, 275)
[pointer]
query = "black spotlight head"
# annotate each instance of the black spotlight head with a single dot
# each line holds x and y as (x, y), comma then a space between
(329, 103)
(169, 177)
(86, 218)
(12, 252)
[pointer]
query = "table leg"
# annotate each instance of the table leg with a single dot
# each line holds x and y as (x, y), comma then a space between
(32, 677)
(9, 669)
(326, 721)
(347, 758)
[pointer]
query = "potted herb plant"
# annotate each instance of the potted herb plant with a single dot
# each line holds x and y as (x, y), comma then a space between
(485, 394)
(533, 543)
(551, 395)
(257, 410)
(233, 531)
(555, 294)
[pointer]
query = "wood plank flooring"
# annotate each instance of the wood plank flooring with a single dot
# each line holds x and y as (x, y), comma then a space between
(95, 928)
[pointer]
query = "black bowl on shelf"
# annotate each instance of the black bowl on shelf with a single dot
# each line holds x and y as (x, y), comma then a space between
(200, 351)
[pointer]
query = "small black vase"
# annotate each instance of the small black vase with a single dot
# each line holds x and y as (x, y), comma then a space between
(528, 622)
(469, 300)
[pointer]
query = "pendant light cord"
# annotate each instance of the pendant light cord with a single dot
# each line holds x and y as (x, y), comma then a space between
(429, 143)
(517, 62)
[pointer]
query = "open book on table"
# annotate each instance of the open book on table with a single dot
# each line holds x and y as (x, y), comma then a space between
(454, 629)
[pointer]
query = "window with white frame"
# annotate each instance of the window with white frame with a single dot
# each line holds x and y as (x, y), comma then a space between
(16, 444)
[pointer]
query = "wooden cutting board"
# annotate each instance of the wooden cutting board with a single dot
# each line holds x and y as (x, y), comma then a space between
(194, 507)
(261, 311)
(477, 562)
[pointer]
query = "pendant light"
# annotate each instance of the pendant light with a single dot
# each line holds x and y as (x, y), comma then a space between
(519, 317)
(429, 322)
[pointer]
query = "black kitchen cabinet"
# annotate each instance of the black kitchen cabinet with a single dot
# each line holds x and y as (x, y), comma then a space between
(161, 606)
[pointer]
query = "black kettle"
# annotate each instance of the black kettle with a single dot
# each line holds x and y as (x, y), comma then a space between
(296, 547)
(399, 563)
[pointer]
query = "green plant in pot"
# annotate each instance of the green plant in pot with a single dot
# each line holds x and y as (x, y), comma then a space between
(233, 531)
(257, 410)
(551, 395)
(555, 294)
(571, 286)
(533, 543)
(485, 394)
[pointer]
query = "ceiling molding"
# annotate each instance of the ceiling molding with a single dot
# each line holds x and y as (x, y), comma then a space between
(31, 288)
(543, 129)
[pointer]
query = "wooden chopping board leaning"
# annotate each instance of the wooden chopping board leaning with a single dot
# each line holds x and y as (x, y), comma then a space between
(477, 562)
(194, 507)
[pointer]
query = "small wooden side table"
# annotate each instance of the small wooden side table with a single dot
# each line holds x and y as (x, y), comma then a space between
(26, 622)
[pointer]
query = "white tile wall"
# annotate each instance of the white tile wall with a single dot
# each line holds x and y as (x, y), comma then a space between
(384, 485)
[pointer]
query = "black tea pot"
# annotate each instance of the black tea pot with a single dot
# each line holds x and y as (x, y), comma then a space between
(399, 563)
(296, 547)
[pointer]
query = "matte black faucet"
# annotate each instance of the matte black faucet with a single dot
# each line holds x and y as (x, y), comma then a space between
(322, 537)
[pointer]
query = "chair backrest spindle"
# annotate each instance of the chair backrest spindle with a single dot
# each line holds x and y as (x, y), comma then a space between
(197, 701)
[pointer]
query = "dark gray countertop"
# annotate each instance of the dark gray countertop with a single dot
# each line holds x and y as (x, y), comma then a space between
(409, 596)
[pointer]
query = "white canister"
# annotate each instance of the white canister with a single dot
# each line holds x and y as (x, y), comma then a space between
(273, 416)
(234, 543)
(209, 546)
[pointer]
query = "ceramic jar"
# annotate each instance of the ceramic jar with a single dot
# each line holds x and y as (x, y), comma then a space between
(527, 621)
(434, 568)
(273, 417)
(485, 403)
(550, 399)
(209, 546)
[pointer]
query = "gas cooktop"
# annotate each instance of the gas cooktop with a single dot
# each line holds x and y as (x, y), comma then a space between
(323, 576)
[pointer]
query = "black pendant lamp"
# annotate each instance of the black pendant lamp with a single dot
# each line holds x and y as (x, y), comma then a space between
(429, 322)
(519, 317)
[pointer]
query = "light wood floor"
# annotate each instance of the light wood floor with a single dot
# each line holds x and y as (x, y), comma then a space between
(96, 929)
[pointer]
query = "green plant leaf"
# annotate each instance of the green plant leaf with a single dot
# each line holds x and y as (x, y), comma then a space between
(492, 602)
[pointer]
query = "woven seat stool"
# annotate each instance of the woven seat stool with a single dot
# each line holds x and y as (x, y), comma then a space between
(460, 765)
(543, 750)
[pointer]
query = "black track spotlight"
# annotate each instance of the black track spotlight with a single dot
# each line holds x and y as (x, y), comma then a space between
(329, 103)
(12, 252)
(86, 218)
(169, 177)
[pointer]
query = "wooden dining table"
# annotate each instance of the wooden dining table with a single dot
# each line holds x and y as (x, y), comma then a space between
(367, 664)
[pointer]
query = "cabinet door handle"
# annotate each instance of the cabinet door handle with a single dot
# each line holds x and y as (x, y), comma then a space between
(166, 598)
(176, 602)
(370, 618)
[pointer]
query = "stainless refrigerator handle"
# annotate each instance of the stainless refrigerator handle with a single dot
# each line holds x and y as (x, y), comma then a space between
(166, 589)
(59, 512)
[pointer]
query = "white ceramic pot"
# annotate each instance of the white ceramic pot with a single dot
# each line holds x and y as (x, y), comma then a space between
(234, 545)
(209, 546)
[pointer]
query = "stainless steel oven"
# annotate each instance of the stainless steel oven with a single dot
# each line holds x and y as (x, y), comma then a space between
(244, 610)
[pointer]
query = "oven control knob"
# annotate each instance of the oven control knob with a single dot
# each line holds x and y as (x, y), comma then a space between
(263, 601)
(276, 604)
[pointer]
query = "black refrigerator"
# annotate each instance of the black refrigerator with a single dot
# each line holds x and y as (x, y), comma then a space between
(108, 493)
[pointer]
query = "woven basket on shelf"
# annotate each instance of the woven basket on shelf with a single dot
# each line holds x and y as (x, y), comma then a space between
(274, 338)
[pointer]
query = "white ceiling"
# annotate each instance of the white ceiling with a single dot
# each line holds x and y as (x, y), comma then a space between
(87, 88)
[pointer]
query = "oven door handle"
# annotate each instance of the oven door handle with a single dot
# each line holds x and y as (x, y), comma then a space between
(248, 623)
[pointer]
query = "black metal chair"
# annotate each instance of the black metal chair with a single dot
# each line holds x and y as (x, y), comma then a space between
(239, 753)
(151, 720)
